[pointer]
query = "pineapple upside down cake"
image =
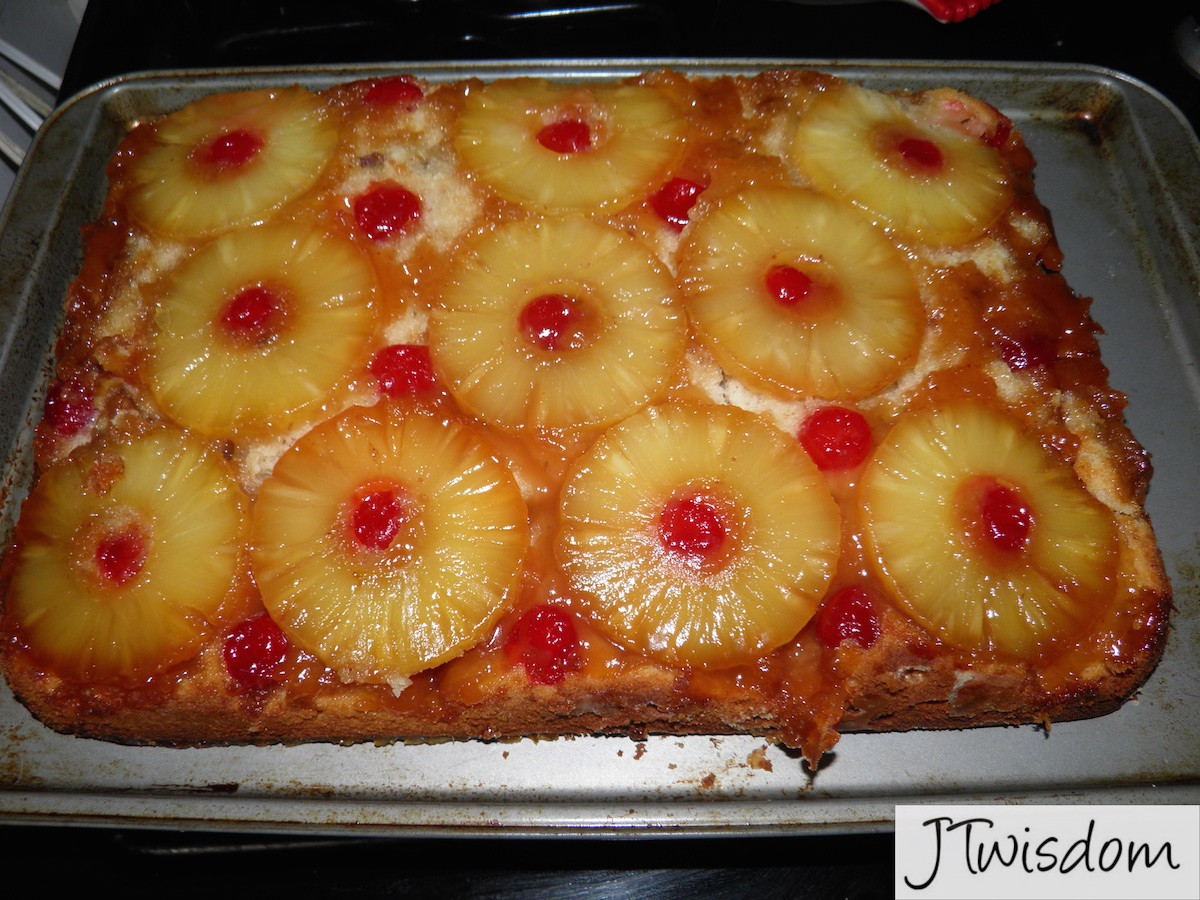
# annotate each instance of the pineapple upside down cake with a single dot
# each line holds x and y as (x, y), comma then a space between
(674, 404)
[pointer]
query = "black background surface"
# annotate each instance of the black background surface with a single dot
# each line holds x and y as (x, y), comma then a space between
(124, 36)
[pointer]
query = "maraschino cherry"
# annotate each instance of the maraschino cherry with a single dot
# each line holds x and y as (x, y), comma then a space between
(377, 518)
(693, 528)
(545, 642)
(403, 370)
(566, 136)
(254, 651)
(836, 437)
(848, 615)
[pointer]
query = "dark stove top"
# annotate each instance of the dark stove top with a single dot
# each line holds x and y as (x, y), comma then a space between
(125, 36)
(122, 36)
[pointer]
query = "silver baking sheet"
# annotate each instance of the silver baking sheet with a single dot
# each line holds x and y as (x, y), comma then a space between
(1120, 170)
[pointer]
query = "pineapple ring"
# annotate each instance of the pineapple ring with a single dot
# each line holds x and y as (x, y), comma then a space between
(638, 132)
(846, 143)
(785, 533)
(382, 615)
(857, 332)
(218, 386)
(635, 344)
(173, 192)
(94, 615)
(1016, 602)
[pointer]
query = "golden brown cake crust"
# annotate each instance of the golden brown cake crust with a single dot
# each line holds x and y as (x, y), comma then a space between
(998, 329)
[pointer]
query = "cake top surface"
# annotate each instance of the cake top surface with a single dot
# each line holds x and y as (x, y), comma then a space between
(453, 274)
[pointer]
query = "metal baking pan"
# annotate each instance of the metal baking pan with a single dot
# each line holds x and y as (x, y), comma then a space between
(1119, 169)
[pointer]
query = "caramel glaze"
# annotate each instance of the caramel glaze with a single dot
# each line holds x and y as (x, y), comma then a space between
(812, 690)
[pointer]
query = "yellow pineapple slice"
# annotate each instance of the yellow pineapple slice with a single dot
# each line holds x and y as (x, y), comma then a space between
(260, 328)
(231, 159)
(699, 535)
(801, 293)
(130, 557)
(551, 323)
(559, 148)
(990, 542)
(387, 543)
(933, 183)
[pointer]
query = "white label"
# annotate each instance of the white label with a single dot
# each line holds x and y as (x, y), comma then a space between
(1069, 852)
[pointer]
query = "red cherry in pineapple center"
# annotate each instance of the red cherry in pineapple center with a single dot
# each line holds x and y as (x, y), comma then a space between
(231, 150)
(377, 518)
(787, 285)
(552, 322)
(921, 155)
(1005, 518)
(566, 136)
(253, 316)
(693, 527)
(120, 555)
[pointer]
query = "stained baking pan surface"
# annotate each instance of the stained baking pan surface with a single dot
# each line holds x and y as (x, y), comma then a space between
(1117, 166)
